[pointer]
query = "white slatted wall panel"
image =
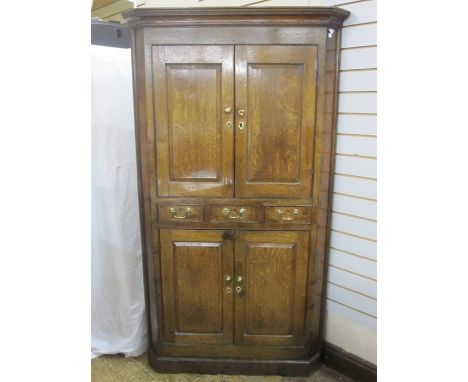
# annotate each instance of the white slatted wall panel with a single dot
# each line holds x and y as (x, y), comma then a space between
(352, 275)
(351, 290)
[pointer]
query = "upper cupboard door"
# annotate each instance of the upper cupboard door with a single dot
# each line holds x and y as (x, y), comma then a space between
(192, 87)
(275, 102)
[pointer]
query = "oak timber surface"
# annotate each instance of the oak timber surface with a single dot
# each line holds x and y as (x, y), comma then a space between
(235, 128)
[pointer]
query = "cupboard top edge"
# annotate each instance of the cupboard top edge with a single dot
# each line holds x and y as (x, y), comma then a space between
(308, 16)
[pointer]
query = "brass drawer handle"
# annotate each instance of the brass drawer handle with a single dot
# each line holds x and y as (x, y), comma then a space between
(288, 214)
(233, 213)
(177, 213)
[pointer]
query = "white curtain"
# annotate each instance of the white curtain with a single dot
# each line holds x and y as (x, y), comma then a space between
(118, 322)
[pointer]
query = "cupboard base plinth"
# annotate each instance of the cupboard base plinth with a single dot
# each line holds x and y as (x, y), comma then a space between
(290, 368)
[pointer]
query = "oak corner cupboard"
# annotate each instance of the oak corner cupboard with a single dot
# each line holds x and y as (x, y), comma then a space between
(235, 113)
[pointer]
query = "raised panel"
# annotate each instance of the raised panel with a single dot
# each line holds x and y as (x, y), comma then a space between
(196, 128)
(198, 291)
(194, 147)
(196, 307)
(269, 268)
(275, 86)
(270, 310)
(274, 104)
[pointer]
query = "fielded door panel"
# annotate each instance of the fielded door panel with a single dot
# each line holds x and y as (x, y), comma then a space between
(270, 297)
(197, 306)
(194, 147)
(275, 118)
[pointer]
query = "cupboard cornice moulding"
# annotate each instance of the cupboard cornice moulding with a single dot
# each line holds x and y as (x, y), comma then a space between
(332, 17)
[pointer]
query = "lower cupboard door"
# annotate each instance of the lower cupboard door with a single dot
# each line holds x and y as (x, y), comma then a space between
(270, 287)
(197, 300)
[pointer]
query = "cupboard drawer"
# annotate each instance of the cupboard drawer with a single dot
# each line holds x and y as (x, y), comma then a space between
(182, 213)
(241, 214)
(289, 214)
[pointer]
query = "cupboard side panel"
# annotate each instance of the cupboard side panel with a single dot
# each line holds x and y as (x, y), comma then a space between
(324, 163)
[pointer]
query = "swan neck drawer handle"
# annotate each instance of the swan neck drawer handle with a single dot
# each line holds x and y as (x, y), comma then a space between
(233, 213)
(288, 214)
(180, 213)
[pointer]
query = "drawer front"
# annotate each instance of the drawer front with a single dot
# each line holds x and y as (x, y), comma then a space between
(181, 213)
(235, 214)
(288, 214)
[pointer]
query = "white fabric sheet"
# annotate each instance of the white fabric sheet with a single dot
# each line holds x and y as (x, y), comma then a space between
(118, 323)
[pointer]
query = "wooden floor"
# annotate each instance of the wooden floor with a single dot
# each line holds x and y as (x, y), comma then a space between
(116, 368)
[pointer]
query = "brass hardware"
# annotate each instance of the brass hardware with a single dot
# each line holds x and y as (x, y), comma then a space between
(288, 214)
(228, 290)
(228, 278)
(239, 290)
(176, 213)
(229, 124)
(227, 110)
(241, 112)
(239, 279)
(241, 125)
(233, 213)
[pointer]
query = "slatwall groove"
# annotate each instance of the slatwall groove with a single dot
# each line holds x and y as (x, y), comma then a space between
(353, 185)
(361, 247)
(355, 274)
(353, 254)
(348, 297)
(358, 265)
(360, 208)
(354, 216)
(354, 235)
(351, 314)
(357, 135)
(356, 176)
(334, 3)
(356, 91)
(357, 145)
(356, 70)
(354, 113)
(355, 156)
(256, 2)
(354, 196)
(352, 281)
(359, 47)
(350, 307)
(358, 24)
(354, 225)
